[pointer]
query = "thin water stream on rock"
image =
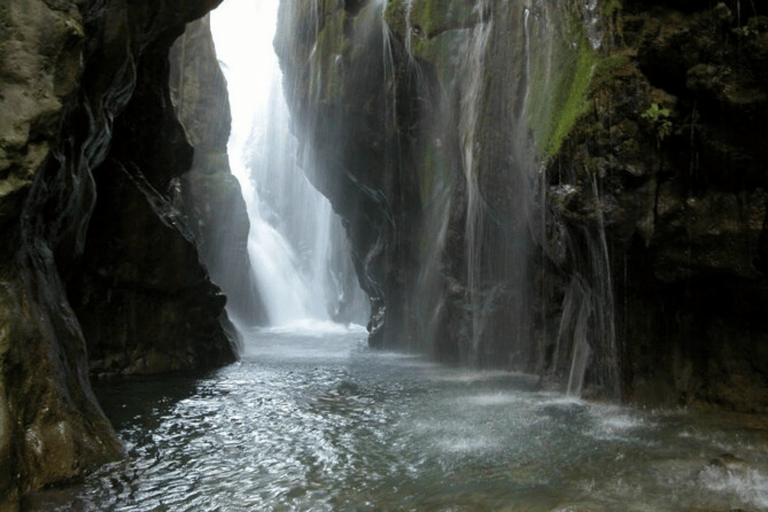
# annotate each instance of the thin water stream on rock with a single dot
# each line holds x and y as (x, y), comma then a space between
(312, 419)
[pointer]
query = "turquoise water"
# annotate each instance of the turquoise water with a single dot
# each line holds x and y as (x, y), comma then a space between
(312, 419)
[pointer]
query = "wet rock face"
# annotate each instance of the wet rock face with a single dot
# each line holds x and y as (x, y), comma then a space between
(356, 152)
(676, 142)
(517, 187)
(140, 266)
(87, 133)
(416, 123)
(210, 195)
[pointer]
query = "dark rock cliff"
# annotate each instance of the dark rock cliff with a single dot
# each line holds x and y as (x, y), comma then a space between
(688, 175)
(96, 268)
(140, 267)
(569, 188)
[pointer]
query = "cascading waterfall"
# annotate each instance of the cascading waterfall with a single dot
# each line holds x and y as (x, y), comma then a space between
(500, 201)
(484, 114)
(296, 244)
(475, 206)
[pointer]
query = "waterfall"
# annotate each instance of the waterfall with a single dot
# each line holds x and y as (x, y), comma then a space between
(476, 209)
(436, 134)
(297, 247)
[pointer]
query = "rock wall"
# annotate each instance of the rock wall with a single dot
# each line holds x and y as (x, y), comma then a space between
(689, 180)
(568, 188)
(210, 195)
(95, 266)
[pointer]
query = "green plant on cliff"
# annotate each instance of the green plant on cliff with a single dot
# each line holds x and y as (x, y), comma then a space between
(659, 118)
(746, 32)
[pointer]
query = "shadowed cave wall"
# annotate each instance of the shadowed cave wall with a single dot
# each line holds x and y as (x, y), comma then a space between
(99, 272)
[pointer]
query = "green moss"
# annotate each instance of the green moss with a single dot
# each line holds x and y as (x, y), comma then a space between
(332, 45)
(611, 10)
(568, 96)
(576, 103)
(611, 7)
(424, 15)
(433, 17)
(394, 15)
(610, 66)
(564, 77)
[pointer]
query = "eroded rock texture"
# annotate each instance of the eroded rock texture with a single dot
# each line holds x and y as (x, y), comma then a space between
(92, 255)
(694, 291)
(211, 196)
(556, 187)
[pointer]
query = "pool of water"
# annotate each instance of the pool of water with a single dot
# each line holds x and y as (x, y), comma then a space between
(312, 419)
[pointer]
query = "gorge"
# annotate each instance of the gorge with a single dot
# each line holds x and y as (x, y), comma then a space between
(565, 198)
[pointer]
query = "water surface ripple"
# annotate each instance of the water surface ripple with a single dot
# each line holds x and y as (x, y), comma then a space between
(311, 421)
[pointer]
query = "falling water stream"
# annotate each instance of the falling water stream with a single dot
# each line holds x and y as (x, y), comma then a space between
(311, 419)
(296, 244)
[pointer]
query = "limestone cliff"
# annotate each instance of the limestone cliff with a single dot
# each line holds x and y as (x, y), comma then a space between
(569, 188)
(95, 263)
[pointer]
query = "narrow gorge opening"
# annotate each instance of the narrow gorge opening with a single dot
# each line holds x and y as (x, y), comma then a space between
(297, 246)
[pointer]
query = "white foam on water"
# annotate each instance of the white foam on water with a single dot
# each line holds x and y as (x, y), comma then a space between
(314, 327)
(496, 399)
(469, 376)
(551, 398)
(739, 481)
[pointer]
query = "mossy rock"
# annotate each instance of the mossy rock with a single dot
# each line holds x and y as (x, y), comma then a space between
(432, 17)
(394, 16)
(556, 103)
(333, 48)
(443, 51)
